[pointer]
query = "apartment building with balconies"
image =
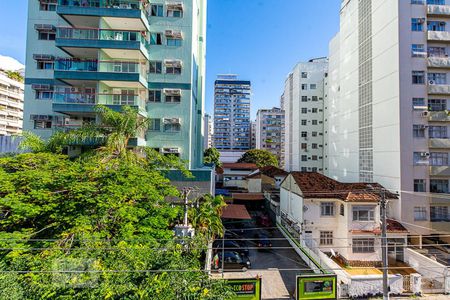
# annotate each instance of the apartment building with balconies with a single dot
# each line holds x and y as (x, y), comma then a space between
(150, 56)
(270, 132)
(232, 126)
(303, 105)
(11, 106)
(386, 109)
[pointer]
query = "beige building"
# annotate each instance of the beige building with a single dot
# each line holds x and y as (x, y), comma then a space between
(11, 106)
(269, 132)
(386, 110)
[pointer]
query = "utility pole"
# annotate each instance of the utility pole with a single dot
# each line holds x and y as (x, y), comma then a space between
(384, 244)
(185, 230)
(186, 192)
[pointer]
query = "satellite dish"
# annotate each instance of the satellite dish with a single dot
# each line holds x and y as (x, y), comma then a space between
(333, 253)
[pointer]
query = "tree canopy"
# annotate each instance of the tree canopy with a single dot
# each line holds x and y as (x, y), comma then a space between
(261, 158)
(212, 156)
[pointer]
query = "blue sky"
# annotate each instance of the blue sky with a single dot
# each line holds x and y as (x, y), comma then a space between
(261, 40)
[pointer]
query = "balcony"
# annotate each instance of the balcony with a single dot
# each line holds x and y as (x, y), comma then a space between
(87, 13)
(438, 116)
(438, 62)
(73, 40)
(439, 36)
(439, 170)
(83, 103)
(439, 143)
(439, 89)
(115, 74)
(438, 10)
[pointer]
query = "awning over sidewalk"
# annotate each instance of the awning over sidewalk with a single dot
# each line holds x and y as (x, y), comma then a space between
(248, 196)
(235, 211)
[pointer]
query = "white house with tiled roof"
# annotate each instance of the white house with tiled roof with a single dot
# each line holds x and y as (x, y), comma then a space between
(339, 218)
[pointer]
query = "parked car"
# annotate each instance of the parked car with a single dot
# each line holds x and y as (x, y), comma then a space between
(263, 242)
(231, 245)
(233, 261)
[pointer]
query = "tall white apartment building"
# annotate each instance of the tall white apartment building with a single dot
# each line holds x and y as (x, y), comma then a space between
(386, 117)
(269, 132)
(303, 104)
(208, 131)
(11, 106)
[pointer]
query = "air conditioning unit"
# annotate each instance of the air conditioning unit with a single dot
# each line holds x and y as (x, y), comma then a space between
(425, 114)
(424, 154)
(168, 32)
(421, 21)
(431, 82)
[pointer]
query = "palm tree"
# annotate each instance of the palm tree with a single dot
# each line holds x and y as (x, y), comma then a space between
(207, 218)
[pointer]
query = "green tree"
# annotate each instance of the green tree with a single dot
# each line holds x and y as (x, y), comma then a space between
(207, 217)
(14, 75)
(261, 158)
(212, 156)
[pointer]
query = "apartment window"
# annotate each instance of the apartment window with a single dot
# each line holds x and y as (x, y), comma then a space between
(439, 159)
(327, 209)
(419, 131)
(418, 102)
(304, 122)
(44, 95)
(304, 75)
(304, 134)
(418, 77)
(314, 110)
(313, 86)
(314, 133)
(45, 65)
(48, 5)
(436, 2)
(156, 38)
(418, 50)
(363, 213)
(314, 157)
(42, 124)
(173, 70)
(314, 122)
(437, 78)
(47, 35)
(304, 158)
(419, 185)
(439, 214)
(304, 98)
(314, 146)
(304, 169)
(174, 42)
(172, 125)
(304, 87)
(314, 98)
(420, 158)
(436, 26)
(417, 1)
(314, 169)
(437, 132)
(363, 245)
(420, 213)
(175, 12)
(439, 186)
(326, 238)
(155, 67)
(157, 10)
(437, 104)
(341, 209)
(173, 98)
(437, 52)
(304, 110)
(304, 146)
(154, 95)
(155, 125)
(417, 24)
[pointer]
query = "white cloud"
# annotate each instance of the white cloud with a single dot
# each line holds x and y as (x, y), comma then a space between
(10, 64)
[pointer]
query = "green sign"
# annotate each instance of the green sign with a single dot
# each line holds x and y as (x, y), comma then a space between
(316, 287)
(246, 289)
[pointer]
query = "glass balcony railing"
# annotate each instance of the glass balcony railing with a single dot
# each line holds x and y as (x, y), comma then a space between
(101, 34)
(118, 4)
(124, 67)
(107, 99)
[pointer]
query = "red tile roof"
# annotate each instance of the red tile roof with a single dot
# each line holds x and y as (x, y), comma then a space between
(235, 211)
(395, 226)
(269, 171)
(316, 185)
(243, 166)
(247, 196)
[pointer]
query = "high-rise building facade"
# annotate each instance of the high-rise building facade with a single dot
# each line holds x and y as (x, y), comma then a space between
(208, 131)
(270, 132)
(232, 127)
(11, 106)
(150, 56)
(303, 103)
(386, 105)
(253, 135)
